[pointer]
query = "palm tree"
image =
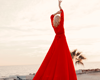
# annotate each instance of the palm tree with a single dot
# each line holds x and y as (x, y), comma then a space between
(77, 56)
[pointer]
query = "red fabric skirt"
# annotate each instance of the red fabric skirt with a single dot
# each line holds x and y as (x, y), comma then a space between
(57, 64)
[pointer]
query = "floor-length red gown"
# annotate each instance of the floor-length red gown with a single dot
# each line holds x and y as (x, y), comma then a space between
(57, 64)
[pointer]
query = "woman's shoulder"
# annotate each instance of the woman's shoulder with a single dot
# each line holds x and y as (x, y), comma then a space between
(52, 16)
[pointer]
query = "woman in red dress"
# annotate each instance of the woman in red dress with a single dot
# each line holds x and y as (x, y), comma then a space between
(57, 64)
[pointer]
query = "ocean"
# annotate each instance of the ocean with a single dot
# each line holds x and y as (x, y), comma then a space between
(6, 71)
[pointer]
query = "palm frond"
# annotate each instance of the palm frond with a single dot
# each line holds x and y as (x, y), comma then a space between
(77, 56)
(74, 52)
(82, 57)
(78, 53)
(79, 62)
(78, 59)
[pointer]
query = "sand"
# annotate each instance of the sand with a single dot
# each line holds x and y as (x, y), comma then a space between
(83, 76)
(89, 76)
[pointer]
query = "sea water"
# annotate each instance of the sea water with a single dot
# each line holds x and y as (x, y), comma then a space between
(6, 71)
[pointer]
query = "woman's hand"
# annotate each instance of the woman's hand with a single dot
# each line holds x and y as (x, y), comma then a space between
(59, 1)
(59, 4)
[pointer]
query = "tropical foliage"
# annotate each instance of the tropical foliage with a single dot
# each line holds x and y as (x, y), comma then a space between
(78, 57)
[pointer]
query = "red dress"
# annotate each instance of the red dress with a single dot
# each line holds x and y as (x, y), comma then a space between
(57, 64)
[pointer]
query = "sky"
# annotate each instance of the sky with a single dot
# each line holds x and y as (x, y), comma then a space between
(26, 32)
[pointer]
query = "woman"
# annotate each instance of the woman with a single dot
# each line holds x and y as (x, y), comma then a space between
(57, 64)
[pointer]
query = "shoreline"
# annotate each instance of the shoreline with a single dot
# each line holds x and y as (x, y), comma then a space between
(81, 73)
(84, 71)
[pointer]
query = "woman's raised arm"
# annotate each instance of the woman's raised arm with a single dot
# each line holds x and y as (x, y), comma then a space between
(58, 12)
(62, 12)
(59, 4)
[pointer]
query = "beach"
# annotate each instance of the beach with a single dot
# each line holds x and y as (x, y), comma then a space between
(90, 71)
(89, 74)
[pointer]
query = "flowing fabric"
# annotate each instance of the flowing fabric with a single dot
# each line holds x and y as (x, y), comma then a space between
(57, 64)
